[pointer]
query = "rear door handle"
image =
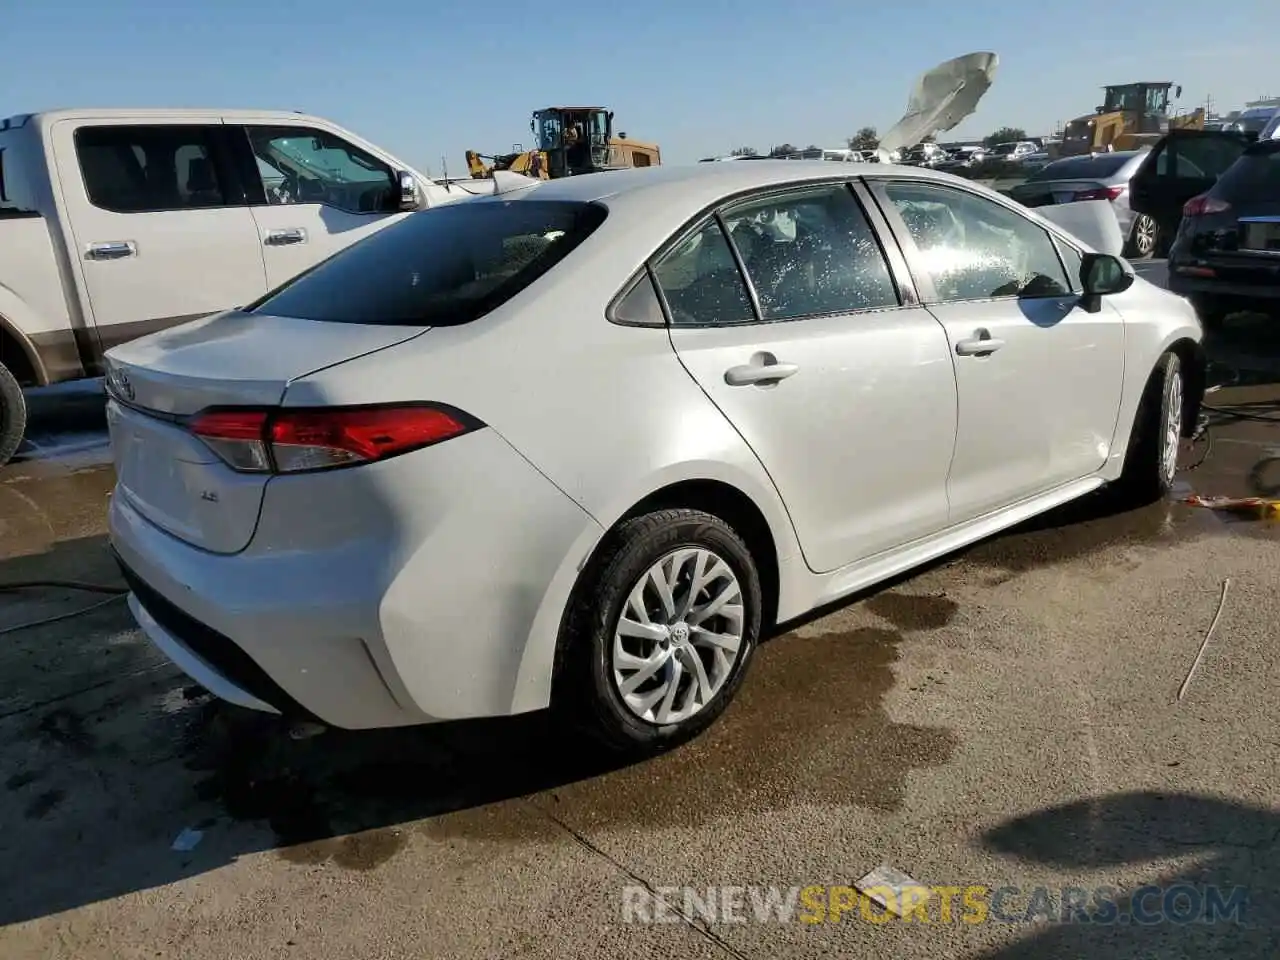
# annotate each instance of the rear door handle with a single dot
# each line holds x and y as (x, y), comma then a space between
(759, 372)
(980, 346)
(282, 238)
(111, 250)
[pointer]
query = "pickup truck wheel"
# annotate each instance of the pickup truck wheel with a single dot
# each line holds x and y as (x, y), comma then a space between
(13, 415)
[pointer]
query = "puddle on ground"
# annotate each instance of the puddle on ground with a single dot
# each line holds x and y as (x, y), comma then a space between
(46, 503)
(913, 612)
(808, 726)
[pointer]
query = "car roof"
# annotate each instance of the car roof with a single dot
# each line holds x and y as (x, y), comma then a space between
(703, 184)
(148, 113)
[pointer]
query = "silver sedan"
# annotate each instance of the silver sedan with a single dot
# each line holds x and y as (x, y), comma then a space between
(1099, 176)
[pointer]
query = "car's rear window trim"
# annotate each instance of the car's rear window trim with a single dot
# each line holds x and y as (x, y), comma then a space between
(587, 217)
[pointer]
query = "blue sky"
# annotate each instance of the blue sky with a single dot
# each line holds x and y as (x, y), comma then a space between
(426, 80)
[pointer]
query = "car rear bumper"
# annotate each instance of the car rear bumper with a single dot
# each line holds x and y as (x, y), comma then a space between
(1188, 281)
(397, 593)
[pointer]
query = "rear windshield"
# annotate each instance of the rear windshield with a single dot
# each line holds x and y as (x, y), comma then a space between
(1083, 168)
(1255, 176)
(440, 267)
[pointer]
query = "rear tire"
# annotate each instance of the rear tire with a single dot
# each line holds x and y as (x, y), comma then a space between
(1151, 463)
(13, 415)
(1143, 238)
(640, 687)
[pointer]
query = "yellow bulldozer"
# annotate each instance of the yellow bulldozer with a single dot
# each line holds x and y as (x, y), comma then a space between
(568, 141)
(1131, 115)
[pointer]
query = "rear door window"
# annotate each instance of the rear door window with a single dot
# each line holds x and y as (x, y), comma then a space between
(439, 267)
(701, 281)
(1196, 158)
(811, 252)
(146, 169)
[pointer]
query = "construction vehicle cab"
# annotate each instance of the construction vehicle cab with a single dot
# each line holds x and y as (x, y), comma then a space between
(1131, 115)
(569, 141)
(574, 140)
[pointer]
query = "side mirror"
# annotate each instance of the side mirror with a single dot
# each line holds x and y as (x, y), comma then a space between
(410, 192)
(1102, 274)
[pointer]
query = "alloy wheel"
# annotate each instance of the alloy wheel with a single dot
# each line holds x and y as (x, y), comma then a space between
(1144, 236)
(1172, 433)
(679, 636)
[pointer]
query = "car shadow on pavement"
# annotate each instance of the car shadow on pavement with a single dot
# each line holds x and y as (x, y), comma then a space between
(1227, 857)
(109, 753)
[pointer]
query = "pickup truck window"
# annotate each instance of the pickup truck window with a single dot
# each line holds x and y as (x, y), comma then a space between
(145, 169)
(302, 165)
(443, 268)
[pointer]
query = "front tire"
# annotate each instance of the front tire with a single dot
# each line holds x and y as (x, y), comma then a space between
(13, 415)
(661, 630)
(1151, 463)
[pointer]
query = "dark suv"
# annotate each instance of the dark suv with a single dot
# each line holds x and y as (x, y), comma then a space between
(1217, 194)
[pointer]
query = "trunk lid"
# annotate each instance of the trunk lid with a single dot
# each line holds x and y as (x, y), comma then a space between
(231, 359)
(1043, 193)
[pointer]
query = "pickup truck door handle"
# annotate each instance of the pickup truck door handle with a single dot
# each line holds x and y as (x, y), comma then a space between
(281, 238)
(763, 369)
(111, 250)
(982, 344)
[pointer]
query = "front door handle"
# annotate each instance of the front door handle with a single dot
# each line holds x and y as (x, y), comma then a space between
(982, 345)
(281, 238)
(763, 369)
(112, 250)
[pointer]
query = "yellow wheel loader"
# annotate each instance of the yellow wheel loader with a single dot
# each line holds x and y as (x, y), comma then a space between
(1132, 115)
(570, 141)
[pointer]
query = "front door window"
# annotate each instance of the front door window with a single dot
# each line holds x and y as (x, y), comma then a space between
(302, 165)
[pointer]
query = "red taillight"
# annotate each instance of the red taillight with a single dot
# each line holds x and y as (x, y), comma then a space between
(1101, 193)
(238, 436)
(290, 441)
(1204, 205)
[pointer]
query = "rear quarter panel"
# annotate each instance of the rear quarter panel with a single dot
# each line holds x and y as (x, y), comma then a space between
(606, 413)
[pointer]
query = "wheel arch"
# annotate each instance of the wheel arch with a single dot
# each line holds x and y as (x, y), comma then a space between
(739, 511)
(19, 356)
(719, 496)
(1195, 364)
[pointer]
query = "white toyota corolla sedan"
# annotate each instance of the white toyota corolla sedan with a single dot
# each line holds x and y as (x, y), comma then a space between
(580, 442)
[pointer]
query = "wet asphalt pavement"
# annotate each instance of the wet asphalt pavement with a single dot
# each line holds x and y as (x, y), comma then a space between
(1007, 717)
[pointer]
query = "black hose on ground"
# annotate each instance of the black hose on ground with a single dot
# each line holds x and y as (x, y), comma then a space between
(115, 593)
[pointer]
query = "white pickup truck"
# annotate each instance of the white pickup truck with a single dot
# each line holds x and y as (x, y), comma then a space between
(116, 223)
